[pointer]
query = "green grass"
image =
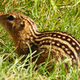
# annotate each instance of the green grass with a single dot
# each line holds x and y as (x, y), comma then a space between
(48, 15)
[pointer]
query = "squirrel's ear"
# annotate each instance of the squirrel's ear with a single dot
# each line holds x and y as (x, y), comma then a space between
(22, 24)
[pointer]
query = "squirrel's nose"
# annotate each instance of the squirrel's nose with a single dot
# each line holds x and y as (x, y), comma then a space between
(1, 16)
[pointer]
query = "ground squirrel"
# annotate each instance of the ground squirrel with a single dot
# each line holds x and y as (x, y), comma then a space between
(23, 30)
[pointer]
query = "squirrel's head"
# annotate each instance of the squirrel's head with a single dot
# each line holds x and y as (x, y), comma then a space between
(15, 23)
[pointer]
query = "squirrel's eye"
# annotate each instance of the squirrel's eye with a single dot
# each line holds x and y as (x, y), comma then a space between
(10, 17)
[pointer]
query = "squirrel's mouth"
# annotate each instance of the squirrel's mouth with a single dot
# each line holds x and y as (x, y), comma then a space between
(1, 19)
